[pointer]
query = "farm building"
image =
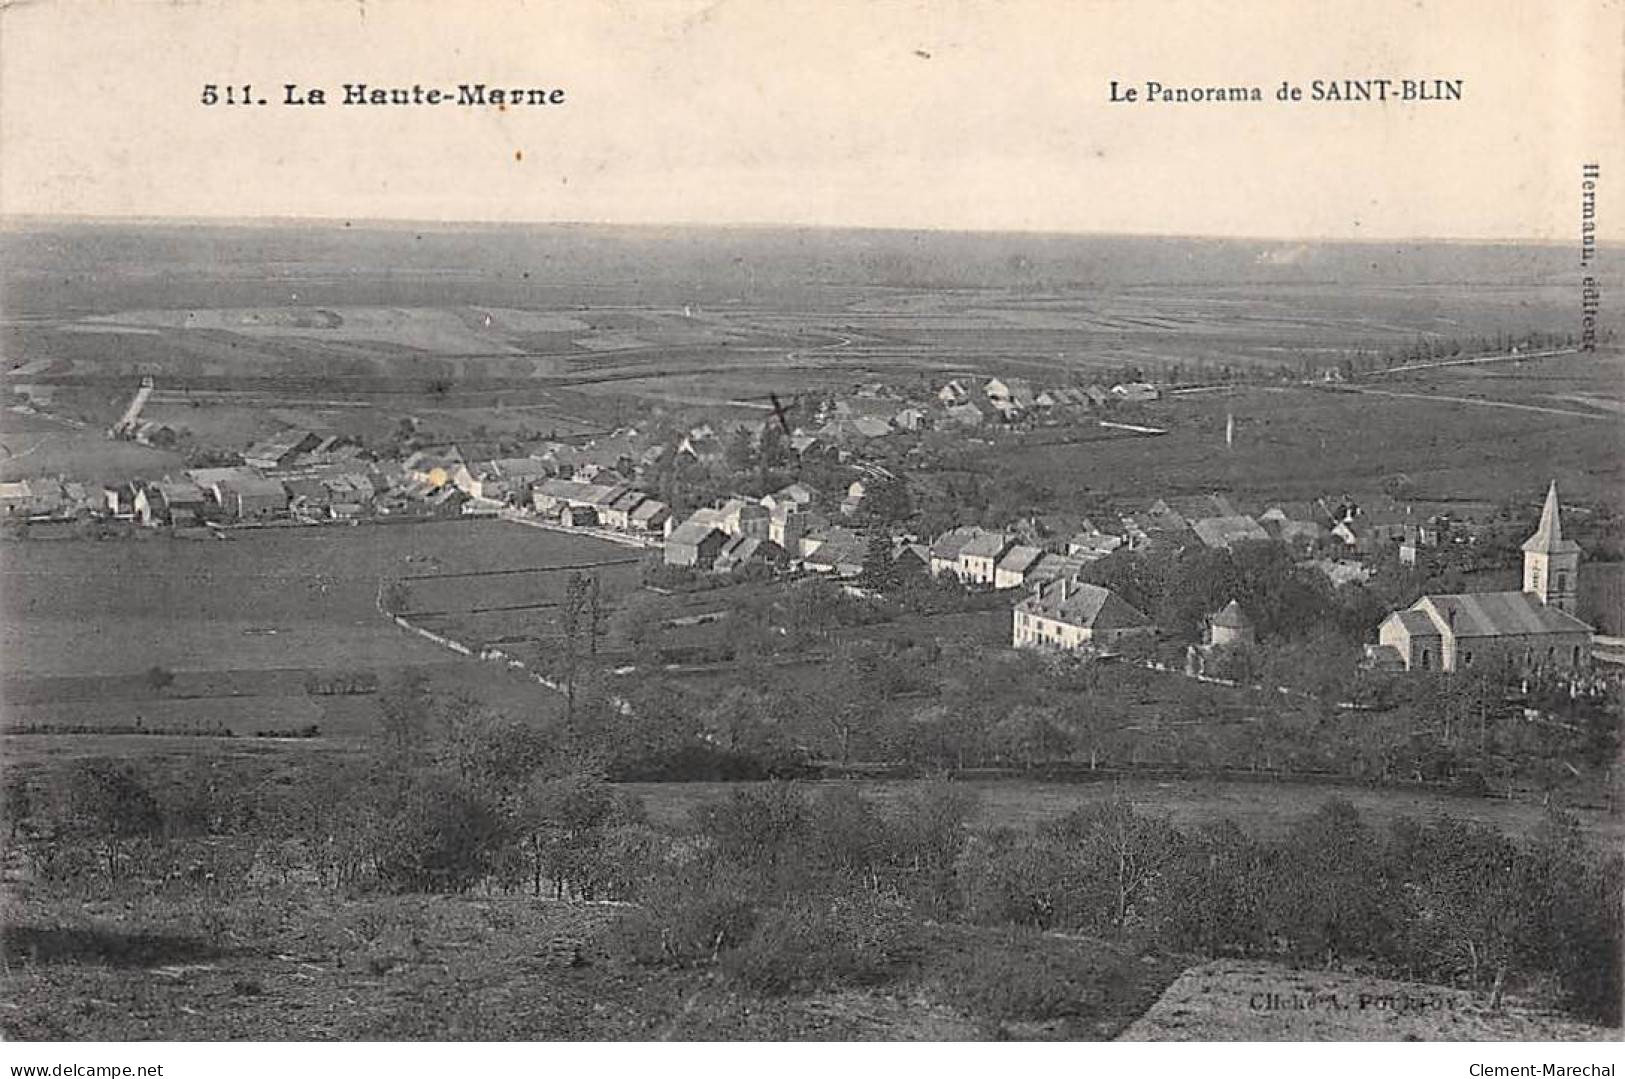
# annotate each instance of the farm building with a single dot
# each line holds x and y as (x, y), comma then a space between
(1534, 628)
(1015, 566)
(742, 516)
(741, 551)
(839, 552)
(281, 449)
(795, 494)
(650, 516)
(966, 414)
(252, 497)
(1093, 546)
(1069, 615)
(170, 496)
(578, 516)
(694, 544)
(1222, 533)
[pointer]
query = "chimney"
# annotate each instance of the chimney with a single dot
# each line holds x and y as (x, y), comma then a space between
(1063, 589)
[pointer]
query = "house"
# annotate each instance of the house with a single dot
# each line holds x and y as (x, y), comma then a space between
(1534, 628)
(953, 393)
(578, 516)
(795, 494)
(308, 496)
(741, 551)
(511, 478)
(252, 497)
(801, 443)
(17, 497)
(945, 549)
(1135, 391)
(743, 517)
(649, 516)
(1016, 393)
(1096, 394)
(1297, 524)
(979, 558)
(854, 429)
(281, 450)
(1012, 569)
(618, 513)
(838, 552)
(439, 467)
(694, 544)
(1093, 546)
(1222, 533)
(911, 558)
(854, 498)
(704, 448)
(1052, 567)
(1180, 510)
(966, 414)
(909, 419)
(1069, 615)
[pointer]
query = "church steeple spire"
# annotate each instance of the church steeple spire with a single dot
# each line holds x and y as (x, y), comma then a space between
(1551, 564)
(1548, 538)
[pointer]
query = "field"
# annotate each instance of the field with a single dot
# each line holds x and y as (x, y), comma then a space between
(240, 622)
(1308, 441)
(573, 329)
(1263, 808)
(281, 967)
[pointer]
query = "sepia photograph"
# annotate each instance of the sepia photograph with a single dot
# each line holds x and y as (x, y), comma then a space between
(782, 522)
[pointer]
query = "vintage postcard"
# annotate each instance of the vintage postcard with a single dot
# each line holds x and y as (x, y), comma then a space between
(738, 520)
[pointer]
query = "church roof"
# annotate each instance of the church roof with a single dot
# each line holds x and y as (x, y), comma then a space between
(1498, 614)
(1548, 538)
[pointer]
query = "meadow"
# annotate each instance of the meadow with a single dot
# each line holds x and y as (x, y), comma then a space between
(239, 623)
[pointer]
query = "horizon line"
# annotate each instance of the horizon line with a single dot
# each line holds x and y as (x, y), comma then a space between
(11, 221)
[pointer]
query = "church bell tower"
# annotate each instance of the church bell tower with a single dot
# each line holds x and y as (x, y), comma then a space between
(1551, 564)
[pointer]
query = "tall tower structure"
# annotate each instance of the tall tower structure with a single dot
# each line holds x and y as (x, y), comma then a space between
(1551, 564)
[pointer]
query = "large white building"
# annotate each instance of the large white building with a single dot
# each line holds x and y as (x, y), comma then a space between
(1069, 614)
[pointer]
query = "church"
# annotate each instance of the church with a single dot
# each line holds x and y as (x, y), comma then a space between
(1534, 628)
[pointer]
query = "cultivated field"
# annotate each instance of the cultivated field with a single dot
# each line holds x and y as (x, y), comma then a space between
(1309, 441)
(241, 622)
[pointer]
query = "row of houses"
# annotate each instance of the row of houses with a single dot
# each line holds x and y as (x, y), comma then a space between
(618, 506)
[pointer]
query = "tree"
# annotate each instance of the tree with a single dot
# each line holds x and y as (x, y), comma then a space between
(879, 570)
(405, 707)
(582, 628)
(159, 679)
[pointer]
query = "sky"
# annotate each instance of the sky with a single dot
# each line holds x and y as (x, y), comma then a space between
(941, 114)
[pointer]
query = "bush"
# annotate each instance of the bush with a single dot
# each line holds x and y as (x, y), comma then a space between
(439, 835)
(689, 919)
(1026, 975)
(815, 942)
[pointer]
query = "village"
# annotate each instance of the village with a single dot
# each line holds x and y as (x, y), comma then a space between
(708, 502)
